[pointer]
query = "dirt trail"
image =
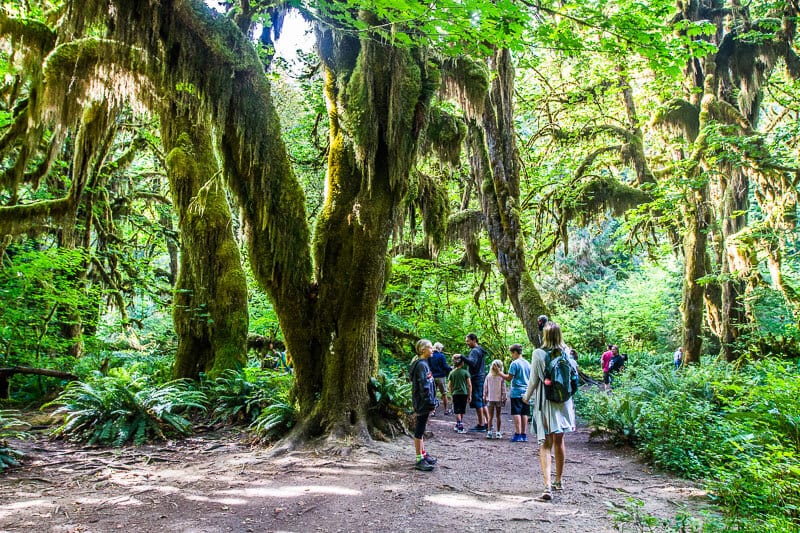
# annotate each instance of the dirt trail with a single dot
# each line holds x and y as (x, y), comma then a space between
(214, 483)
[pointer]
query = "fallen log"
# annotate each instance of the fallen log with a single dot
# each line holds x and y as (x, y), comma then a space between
(8, 372)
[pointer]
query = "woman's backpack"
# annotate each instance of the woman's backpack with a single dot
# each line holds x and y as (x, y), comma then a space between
(560, 377)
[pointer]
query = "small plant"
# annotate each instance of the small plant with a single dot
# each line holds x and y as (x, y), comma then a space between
(280, 413)
(632, 516)
(274, 421)
(10, 428)
(120, 408)
(391, 392)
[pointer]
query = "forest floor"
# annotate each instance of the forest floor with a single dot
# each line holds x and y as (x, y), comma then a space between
(216, 482)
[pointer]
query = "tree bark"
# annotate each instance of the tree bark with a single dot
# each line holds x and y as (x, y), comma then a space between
(494, 162)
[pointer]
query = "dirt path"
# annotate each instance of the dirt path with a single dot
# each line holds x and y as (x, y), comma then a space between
(215, 482)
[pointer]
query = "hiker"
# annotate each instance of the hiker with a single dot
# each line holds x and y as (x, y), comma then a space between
(494, 397)
(608, 355)
(551, 420)
(519, 373)
(477, 374)
(677, 357)
(440, 370)
(460, 386)
(423, 395)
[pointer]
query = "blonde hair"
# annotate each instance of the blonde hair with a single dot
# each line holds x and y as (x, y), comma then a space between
(551, 337)
(497, 367)
(438, 347)
(422, 343)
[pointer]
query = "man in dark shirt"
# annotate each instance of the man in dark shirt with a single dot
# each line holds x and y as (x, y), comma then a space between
(477, 371)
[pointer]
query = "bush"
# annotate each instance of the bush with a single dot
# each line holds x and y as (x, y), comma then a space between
(121, 408)
(736, 429)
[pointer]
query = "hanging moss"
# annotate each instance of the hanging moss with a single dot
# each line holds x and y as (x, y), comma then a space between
(466, 81)
(679, 116)
(33, 35)
(435, 206)
(445, 134)
(592, 199)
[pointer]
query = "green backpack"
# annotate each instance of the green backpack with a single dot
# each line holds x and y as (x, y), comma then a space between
(560, 377)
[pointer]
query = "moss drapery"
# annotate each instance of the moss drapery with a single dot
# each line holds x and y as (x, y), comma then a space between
(494, 163)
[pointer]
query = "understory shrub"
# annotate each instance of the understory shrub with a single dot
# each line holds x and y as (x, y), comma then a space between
(736, 429)
(121, 408)
(242, 396)
(10, 428)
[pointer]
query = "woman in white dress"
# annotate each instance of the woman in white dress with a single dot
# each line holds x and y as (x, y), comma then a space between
(550, 420)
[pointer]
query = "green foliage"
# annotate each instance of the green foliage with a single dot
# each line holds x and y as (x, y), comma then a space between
(632, 514)
(10, 428)
(279, 414)
(241, 396)
(391, 391)
(736, 429)
(35, 290)
(437, 301)
(638, 313)
(122, 408)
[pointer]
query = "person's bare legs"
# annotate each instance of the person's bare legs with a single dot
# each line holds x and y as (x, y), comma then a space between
(518, 424)
(490, 418)
(485, 411)
(544, 460)
(497, 415)
(560, 451)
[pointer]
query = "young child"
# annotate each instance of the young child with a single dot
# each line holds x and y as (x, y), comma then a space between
(494, 396)
(460, 386)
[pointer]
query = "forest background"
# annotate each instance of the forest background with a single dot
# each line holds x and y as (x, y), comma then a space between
(179, 205)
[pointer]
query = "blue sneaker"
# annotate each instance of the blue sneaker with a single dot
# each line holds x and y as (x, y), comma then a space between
(524, 437)
(516, 438)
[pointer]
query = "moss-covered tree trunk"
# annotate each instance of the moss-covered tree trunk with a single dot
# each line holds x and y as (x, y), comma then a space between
(494, 161)
(734, 205)
(210, 303)
(375, 94)
(695, 243)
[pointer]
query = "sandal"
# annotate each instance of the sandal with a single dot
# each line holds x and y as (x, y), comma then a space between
(546, 495)
(557, 485)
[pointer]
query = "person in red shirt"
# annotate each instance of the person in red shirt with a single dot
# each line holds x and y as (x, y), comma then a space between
(613, 350)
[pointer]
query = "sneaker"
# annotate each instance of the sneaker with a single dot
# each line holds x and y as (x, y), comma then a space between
(524, 437)
(489, 435)
(498, 435)
(456, 428)
(546, 495)
(428, 458)
(423, 465)
(449, 412)
(516, 438)
(558, 485)
(433, 413)
(477, 429)
(461, 430)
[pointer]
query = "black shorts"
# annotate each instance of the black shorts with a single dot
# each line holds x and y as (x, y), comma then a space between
(419, 426)
(477, 392)
(460, 403)
(518, 407)
(607, 378)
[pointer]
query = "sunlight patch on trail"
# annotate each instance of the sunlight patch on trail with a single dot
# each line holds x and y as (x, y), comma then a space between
(9, 508)
(289, 491)
(469, 502)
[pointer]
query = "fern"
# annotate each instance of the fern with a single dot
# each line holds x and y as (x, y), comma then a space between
(240, 396)
(274, 421)
(10, 428)
(122, 408)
